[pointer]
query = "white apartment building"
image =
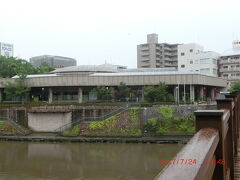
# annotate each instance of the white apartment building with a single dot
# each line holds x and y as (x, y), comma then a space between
(229, 63)
(192, 58)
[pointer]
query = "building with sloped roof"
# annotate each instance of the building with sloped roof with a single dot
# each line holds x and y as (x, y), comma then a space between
(75, 84)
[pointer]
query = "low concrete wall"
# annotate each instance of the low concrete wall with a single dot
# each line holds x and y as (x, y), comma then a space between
(47, 121)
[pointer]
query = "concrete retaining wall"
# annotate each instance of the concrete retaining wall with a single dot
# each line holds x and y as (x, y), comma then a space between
(48, 122)
(178, 110)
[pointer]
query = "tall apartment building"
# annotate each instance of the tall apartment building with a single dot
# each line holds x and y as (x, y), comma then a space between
(156, 55)
(229, 63)
(192, 58)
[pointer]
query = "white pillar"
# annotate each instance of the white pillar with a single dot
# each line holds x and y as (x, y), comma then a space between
(201, 92)
(192, 93)
(213, 94)
(50, 95)
(79, 95)
(175, 93)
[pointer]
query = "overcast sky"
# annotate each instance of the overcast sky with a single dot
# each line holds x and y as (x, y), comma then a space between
(95, 31)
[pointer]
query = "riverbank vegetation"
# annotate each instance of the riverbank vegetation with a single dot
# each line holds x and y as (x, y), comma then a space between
(123, 124)
(168, 124)
(7, 129)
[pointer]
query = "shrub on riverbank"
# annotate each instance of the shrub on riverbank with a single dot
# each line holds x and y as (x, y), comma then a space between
(123, 124)
(7, 129)
(168, 124)
(72, 132)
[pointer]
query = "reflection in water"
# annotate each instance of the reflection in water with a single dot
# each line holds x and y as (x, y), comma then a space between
(82, 161)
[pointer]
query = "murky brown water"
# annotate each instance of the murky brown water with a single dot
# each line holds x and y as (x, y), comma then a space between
(82, 161)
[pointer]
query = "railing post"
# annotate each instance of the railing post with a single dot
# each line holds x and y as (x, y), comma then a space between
(231, 138)
(215, 119)
(236, 98)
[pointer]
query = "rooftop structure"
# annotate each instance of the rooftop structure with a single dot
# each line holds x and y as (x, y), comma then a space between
(156, 55)
(53, 61)
(89, 69)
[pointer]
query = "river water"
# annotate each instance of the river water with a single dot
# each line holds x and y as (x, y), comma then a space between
(82, 161)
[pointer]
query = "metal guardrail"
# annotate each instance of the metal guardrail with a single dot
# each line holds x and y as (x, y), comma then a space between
(100, 118)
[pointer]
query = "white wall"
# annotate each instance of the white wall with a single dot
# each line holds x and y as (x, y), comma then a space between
(48, 122)
(192, 58)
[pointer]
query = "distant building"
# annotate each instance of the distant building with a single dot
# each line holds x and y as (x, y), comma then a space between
(53, 61)
(156, 55)
(229, 63)
(192, 58)
(6, 49)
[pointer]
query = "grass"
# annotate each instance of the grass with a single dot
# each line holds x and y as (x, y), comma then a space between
(72, 132)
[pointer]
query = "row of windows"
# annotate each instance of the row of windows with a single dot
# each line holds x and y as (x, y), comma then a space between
(233, 75)
(231, 67)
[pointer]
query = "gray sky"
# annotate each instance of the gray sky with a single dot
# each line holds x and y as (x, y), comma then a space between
(95, 31)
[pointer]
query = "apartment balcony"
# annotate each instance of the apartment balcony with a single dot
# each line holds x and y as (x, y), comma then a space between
(229, 70)
(170, 64)
(145, 53)
(230, 61)
(144, 47)
(232, 78)
(145, 60)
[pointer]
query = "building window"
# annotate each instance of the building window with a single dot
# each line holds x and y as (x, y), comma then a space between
(205, 71)
(204, 61)
(214, 71)
(182, 54)
(191, 62)
(182, 66)
(214, 61)
(191, 50)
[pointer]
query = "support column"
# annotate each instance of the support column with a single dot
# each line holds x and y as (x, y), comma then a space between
(79, 95)
(50, 95)
(142, 93)
(175, 93)
(213, 94)
(1, 94)
(201, 92)
(192, 93)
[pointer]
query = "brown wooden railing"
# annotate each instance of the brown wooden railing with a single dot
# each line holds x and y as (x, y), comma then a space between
(210, 153)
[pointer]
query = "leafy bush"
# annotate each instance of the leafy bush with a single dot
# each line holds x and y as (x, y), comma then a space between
(166, 112)
(169, 124)
(72, 132)
(105, 124)
(133, 115)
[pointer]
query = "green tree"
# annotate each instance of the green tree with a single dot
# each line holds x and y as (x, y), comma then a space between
(16, 89)
(10, 66)
(235, 87)
(123, 91)
(103, 93)
(45, 68)
(156, 93)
